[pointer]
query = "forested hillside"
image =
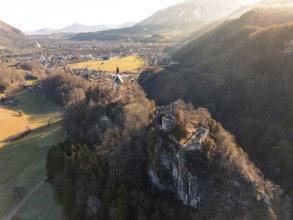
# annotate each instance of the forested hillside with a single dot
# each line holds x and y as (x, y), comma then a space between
(63, 88)
(14, 77)
(104, 171)
(242, 72)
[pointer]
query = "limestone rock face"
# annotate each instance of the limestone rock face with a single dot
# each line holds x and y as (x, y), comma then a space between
(221, 180)
(173, 174)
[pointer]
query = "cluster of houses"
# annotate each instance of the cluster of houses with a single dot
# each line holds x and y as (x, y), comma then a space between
(8, 100)
(92, 75)
(53, 54)
(34, 88)
(153, 53)
(11, 100)
(194, 140)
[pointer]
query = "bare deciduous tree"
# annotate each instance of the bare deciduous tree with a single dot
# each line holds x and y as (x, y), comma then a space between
(93, 206)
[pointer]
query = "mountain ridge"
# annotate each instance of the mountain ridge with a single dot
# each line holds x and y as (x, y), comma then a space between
(11, 37)
(191, 13)
(79, 28)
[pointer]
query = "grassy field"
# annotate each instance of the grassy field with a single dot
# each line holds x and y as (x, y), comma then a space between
(11, 124)
(130, 63)
(32, 82)
(47, 206)
(23, 161)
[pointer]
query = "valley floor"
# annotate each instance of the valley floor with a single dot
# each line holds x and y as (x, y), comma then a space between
(23, 161)
(130, 63)
(42, 205)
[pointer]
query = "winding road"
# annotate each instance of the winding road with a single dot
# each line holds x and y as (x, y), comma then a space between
(13, 211)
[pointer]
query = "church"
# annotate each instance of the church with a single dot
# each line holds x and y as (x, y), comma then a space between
(118, 78)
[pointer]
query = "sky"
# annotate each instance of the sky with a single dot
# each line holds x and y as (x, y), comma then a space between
(37, 14)
(28, 15)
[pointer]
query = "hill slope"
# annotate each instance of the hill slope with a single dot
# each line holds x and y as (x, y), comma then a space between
(192, 13)
(182, 18)
(131, 169)
(242, 72)
(11, 37)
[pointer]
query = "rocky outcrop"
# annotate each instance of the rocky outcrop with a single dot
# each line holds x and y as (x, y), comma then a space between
(218, 179)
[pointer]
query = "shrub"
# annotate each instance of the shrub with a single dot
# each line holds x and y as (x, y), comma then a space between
(179, 131)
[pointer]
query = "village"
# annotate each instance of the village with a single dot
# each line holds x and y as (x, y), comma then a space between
(58, 54)
(54, 54)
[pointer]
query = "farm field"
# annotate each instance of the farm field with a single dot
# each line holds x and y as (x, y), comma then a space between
(32, 82)
(11, 124)
(24, 160)
(47, 206)
(130, 63)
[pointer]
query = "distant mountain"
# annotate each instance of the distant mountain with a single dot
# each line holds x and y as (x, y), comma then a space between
(242, 72)
(116, 34)
(186, 17)
(276, 2)
(192, 13)
(79, 28)
(11, 37)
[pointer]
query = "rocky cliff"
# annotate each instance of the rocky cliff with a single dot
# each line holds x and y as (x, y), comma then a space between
(135, 168)
(218, 179)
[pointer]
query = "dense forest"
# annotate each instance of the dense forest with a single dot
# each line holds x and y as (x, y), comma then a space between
(241, 72)
(64, 88)
(102, 170)
(102, 174)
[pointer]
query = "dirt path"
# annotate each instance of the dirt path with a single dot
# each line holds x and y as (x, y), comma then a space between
(14, 210)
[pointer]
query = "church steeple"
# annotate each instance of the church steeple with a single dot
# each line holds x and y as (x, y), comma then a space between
(118, 79)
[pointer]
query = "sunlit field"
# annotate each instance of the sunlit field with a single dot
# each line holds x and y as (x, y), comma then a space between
(130, 63)
(11, 123)
(23, 161)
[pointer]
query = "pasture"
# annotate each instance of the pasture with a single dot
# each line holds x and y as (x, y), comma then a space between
(130, 63)
(47, 206)
(11, 123)
(23, 161)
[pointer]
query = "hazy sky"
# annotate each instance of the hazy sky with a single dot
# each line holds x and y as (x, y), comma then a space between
(36, 14)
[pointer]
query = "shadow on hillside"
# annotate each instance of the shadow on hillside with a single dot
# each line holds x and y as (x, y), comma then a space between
(39, 136)
(34, 103)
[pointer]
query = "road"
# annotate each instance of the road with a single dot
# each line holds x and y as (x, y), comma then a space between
(13, 211)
